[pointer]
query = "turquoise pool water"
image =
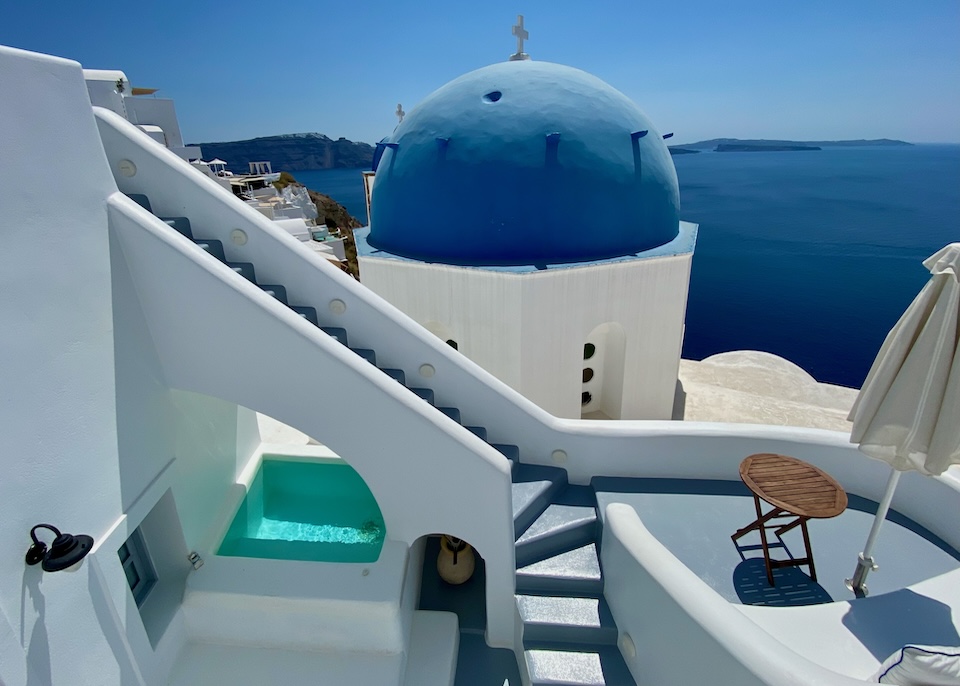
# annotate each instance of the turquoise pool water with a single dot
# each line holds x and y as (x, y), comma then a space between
(316, 511)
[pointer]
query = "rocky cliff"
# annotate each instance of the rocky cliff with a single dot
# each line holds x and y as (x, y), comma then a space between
(336, 217)
(291, 152)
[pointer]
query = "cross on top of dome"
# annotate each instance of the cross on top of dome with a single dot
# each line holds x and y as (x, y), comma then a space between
(522, 35)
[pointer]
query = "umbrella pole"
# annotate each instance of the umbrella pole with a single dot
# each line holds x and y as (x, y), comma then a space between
(865, 563)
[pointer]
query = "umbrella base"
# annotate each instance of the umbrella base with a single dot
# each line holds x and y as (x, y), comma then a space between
(857, 584)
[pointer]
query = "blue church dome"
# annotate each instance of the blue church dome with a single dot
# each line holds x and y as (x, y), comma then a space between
(523, 163)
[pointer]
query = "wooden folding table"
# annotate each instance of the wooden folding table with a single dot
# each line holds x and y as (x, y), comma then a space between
(796, 490)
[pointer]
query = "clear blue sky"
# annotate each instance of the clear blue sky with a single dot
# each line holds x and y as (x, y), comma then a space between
(703, 69)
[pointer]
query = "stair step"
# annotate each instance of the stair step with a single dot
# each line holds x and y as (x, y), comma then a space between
(367, 354)
(565, 619)
(181, 224)
(574, 494)
(560, 528)
(511, 452)
(396, 374)
(478, 431)
(533, 489)
(308, 313)
(477, 663)
(244, 269)
(452, 412)
(276, 290)
(141, 200)
(215, 248)
(425, 394)
(558, 665)
(575, 572)
(336, 332)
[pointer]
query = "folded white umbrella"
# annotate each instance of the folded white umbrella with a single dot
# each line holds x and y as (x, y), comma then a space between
(908, 411)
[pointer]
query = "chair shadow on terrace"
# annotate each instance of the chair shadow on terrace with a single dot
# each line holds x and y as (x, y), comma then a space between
(792, 586)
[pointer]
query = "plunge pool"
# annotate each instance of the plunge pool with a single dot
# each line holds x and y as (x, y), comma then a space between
(315, 510)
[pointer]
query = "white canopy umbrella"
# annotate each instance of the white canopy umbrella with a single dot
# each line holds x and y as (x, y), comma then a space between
(217, 161)
(908, 411)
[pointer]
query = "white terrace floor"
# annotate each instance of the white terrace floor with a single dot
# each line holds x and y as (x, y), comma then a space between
(696, 527)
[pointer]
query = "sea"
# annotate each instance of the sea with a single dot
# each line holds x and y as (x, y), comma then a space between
(812, 256)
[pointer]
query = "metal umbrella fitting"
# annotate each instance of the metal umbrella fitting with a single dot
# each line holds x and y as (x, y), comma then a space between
(908, 411)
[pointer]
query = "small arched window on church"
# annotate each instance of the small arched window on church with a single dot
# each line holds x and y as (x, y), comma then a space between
(603, 372)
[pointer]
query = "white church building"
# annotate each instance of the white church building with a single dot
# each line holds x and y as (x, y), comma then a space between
(527, 213)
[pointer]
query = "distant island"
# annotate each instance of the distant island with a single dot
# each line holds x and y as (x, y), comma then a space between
(307, 151)
(740, 145)
(747, 147)
(292, 152)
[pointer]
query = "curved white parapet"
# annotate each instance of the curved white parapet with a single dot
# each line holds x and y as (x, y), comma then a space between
(674, 629)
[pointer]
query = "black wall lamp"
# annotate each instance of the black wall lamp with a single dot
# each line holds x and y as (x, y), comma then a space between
(65, 551)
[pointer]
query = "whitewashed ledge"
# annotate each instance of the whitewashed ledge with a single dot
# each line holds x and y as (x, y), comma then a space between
(742, 387)
(752, 387)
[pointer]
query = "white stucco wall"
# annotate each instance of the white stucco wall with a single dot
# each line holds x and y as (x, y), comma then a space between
(480, 310)
(213, 442)
(646, 297)
(102, 88)
(529, 329)
(57, 390)
(89, 425)
(157, 112)
(190, 447)
(145, 436)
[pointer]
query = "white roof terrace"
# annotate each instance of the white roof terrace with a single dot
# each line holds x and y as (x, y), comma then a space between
(695, 518)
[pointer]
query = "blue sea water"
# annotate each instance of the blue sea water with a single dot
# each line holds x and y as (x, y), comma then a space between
(343, 185)
(809, 255)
